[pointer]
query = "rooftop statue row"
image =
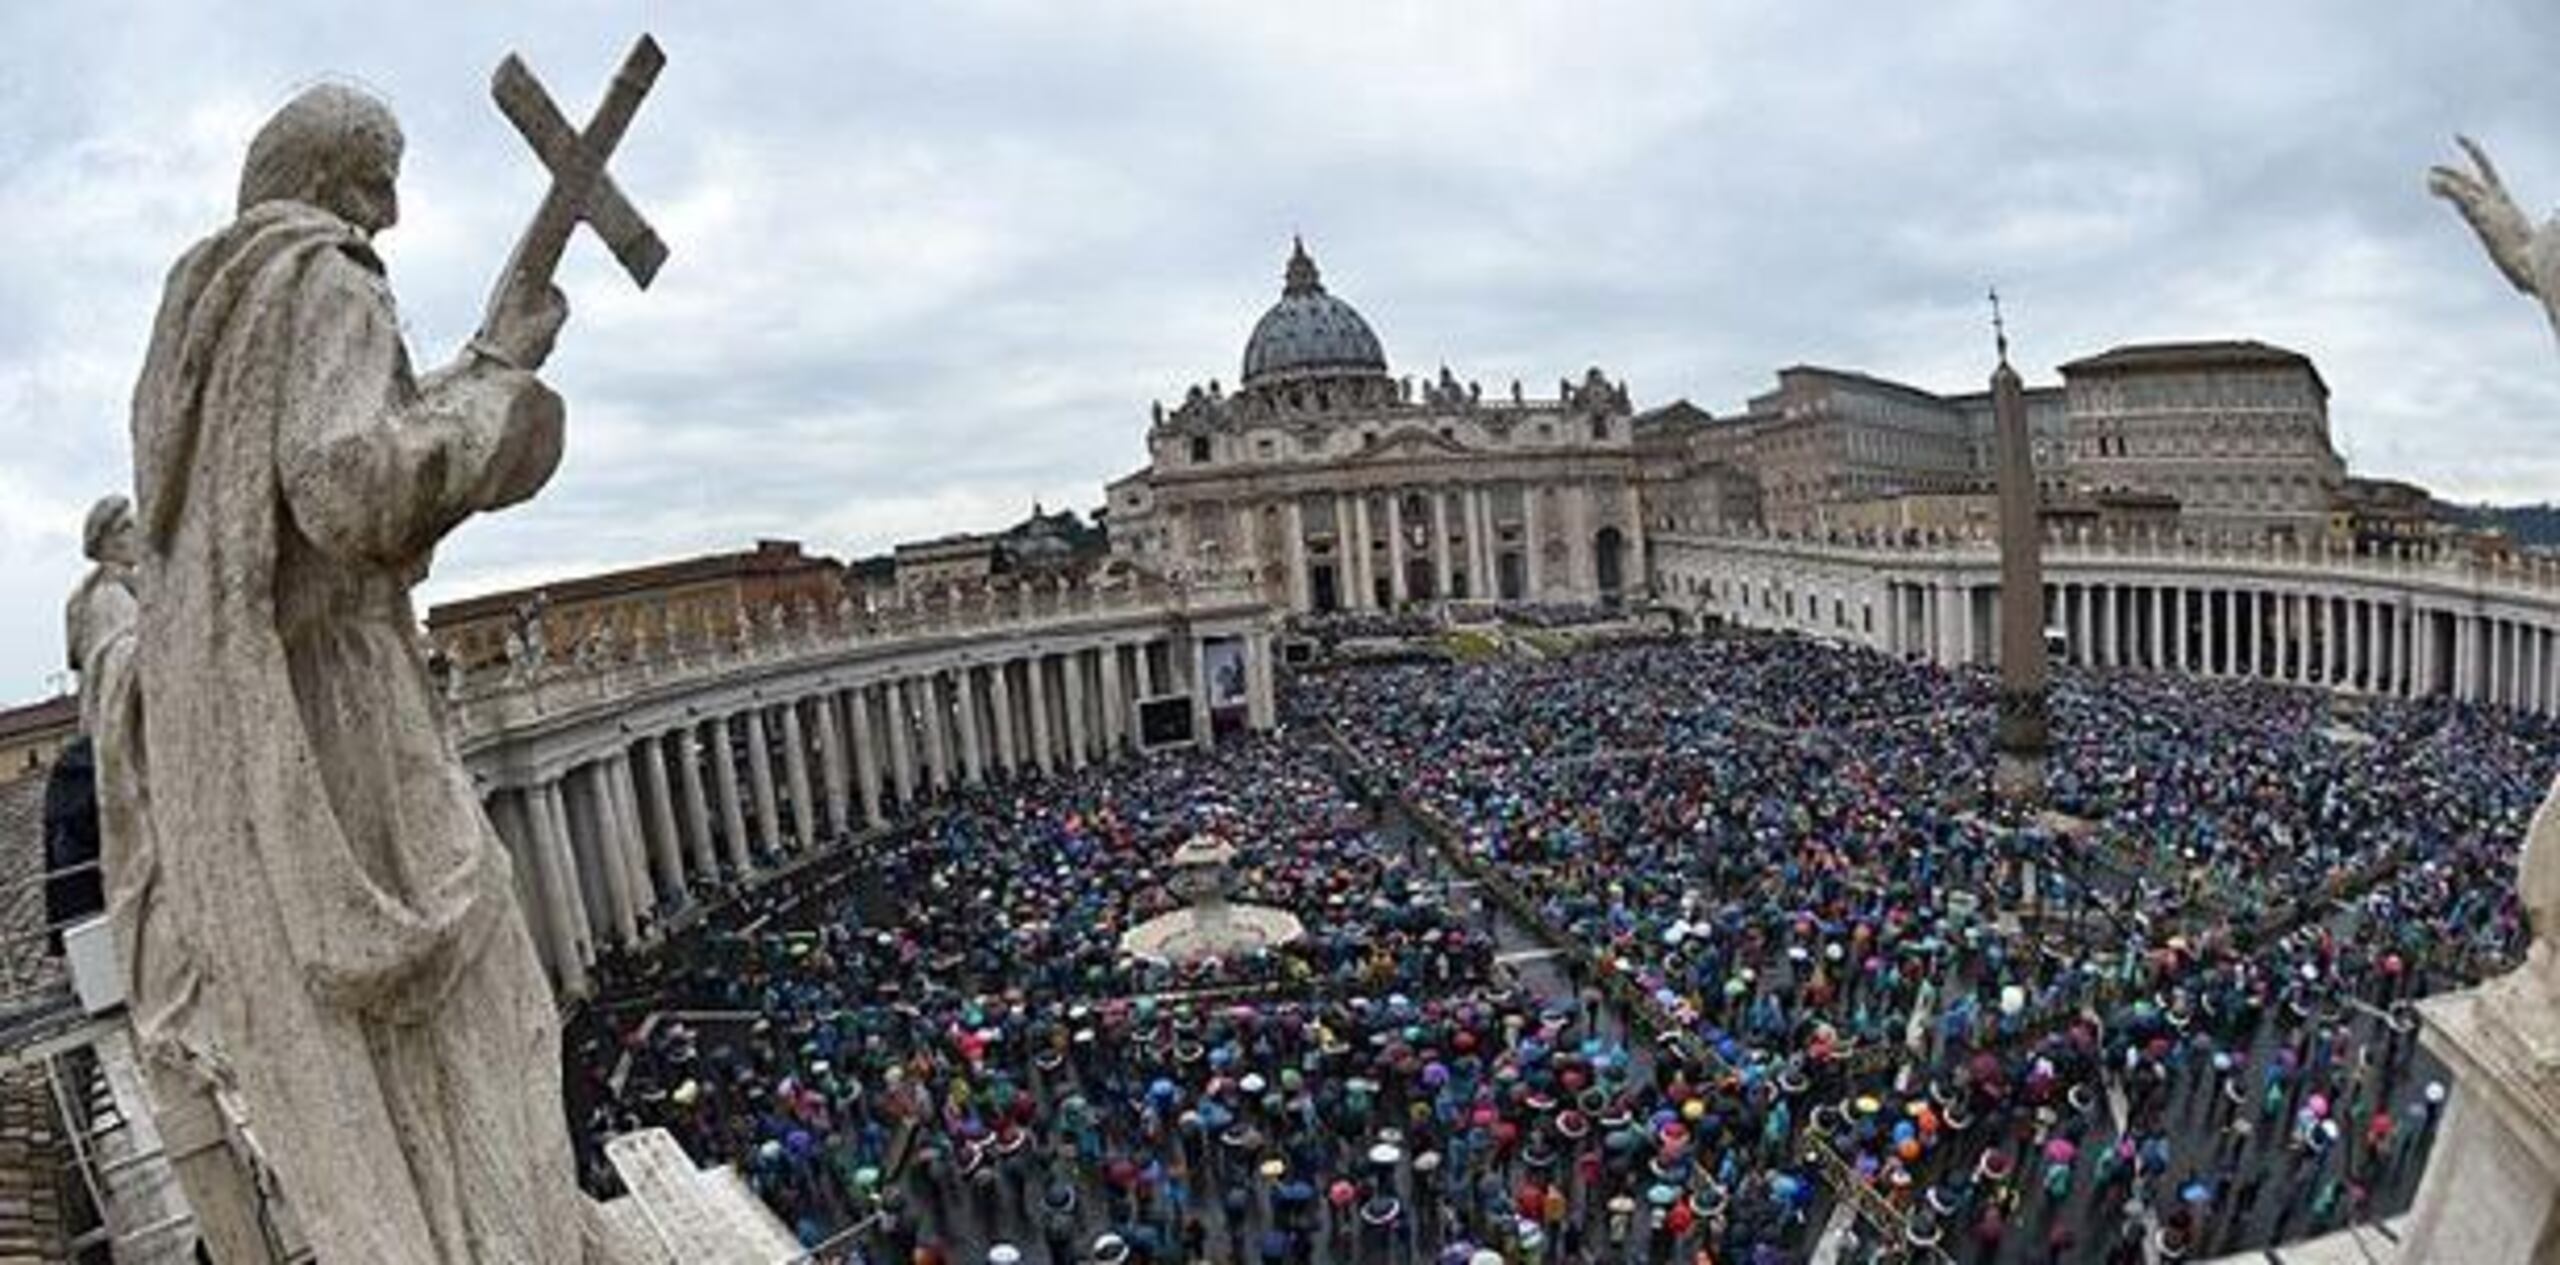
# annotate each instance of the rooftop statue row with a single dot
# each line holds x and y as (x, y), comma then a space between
(663, 645)
(1211, 406)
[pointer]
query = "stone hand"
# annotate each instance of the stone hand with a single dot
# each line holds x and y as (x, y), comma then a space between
(2483, 200)
(521, 332)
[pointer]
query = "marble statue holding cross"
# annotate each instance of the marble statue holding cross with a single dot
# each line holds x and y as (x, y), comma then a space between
(350, 916)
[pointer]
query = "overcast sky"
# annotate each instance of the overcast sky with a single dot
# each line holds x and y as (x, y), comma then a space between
(932, 261)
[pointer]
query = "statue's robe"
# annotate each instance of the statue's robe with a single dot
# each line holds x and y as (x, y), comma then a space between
(362, 962)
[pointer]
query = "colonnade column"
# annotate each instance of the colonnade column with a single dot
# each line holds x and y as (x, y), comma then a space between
(831, 764)
(902, 752)
(662, 821)
(2361, 633)
(866, 754)
(563, 921)
(2462, 657)
(760, 781)
(630, 834)
(602, 854)
(588, 918)
(973, 751)
(1000, 702)
(2404, 658)
(926, 694)
(795, 766)
(1036, 692)
(697, 809)
(724, 780)
(1071, 664)
(1115, 703)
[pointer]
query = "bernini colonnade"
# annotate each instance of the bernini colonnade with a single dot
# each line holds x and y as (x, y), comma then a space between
(628, 793)
(2402, 626)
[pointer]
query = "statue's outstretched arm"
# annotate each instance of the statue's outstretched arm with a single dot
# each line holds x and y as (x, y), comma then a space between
(2483, 200)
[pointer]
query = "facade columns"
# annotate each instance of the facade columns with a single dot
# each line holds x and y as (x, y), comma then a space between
(1262, 711)
(1441, 562)
(1966, 642)
(1363, 592)
(2110, 626)
(1293, 523)
(1533, 545)
(1395, 547)
(2177, 643)
(2156, 618)
(2083, 652)
(1195, 670)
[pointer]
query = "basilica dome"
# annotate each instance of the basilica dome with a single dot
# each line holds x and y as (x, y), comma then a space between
(1309, 333)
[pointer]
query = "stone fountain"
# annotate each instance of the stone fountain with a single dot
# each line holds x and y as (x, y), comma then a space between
(1209, 925)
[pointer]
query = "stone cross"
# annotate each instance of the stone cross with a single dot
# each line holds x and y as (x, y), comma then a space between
(580, 189)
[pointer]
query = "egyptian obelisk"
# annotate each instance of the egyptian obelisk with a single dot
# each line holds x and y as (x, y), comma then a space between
(2018, 772)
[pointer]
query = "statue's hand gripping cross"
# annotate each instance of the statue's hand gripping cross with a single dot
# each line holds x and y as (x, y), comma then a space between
(581, 191)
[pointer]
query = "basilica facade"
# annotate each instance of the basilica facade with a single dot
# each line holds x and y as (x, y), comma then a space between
(1336, 485)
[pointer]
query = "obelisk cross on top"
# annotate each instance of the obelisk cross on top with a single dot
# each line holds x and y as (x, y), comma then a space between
(581, 190)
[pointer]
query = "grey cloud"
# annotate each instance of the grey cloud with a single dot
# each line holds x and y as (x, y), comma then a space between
(932, 262)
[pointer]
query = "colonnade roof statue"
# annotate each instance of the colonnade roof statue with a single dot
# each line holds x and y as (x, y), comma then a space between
(345, 913)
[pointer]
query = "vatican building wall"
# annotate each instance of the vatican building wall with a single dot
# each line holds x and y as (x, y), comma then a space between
(1335, 486)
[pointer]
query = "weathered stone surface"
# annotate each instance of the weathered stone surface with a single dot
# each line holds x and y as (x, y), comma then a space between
(361, 961)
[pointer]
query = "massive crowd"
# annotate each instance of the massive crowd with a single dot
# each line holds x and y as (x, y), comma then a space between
(1795, 958)
(2184, 990)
